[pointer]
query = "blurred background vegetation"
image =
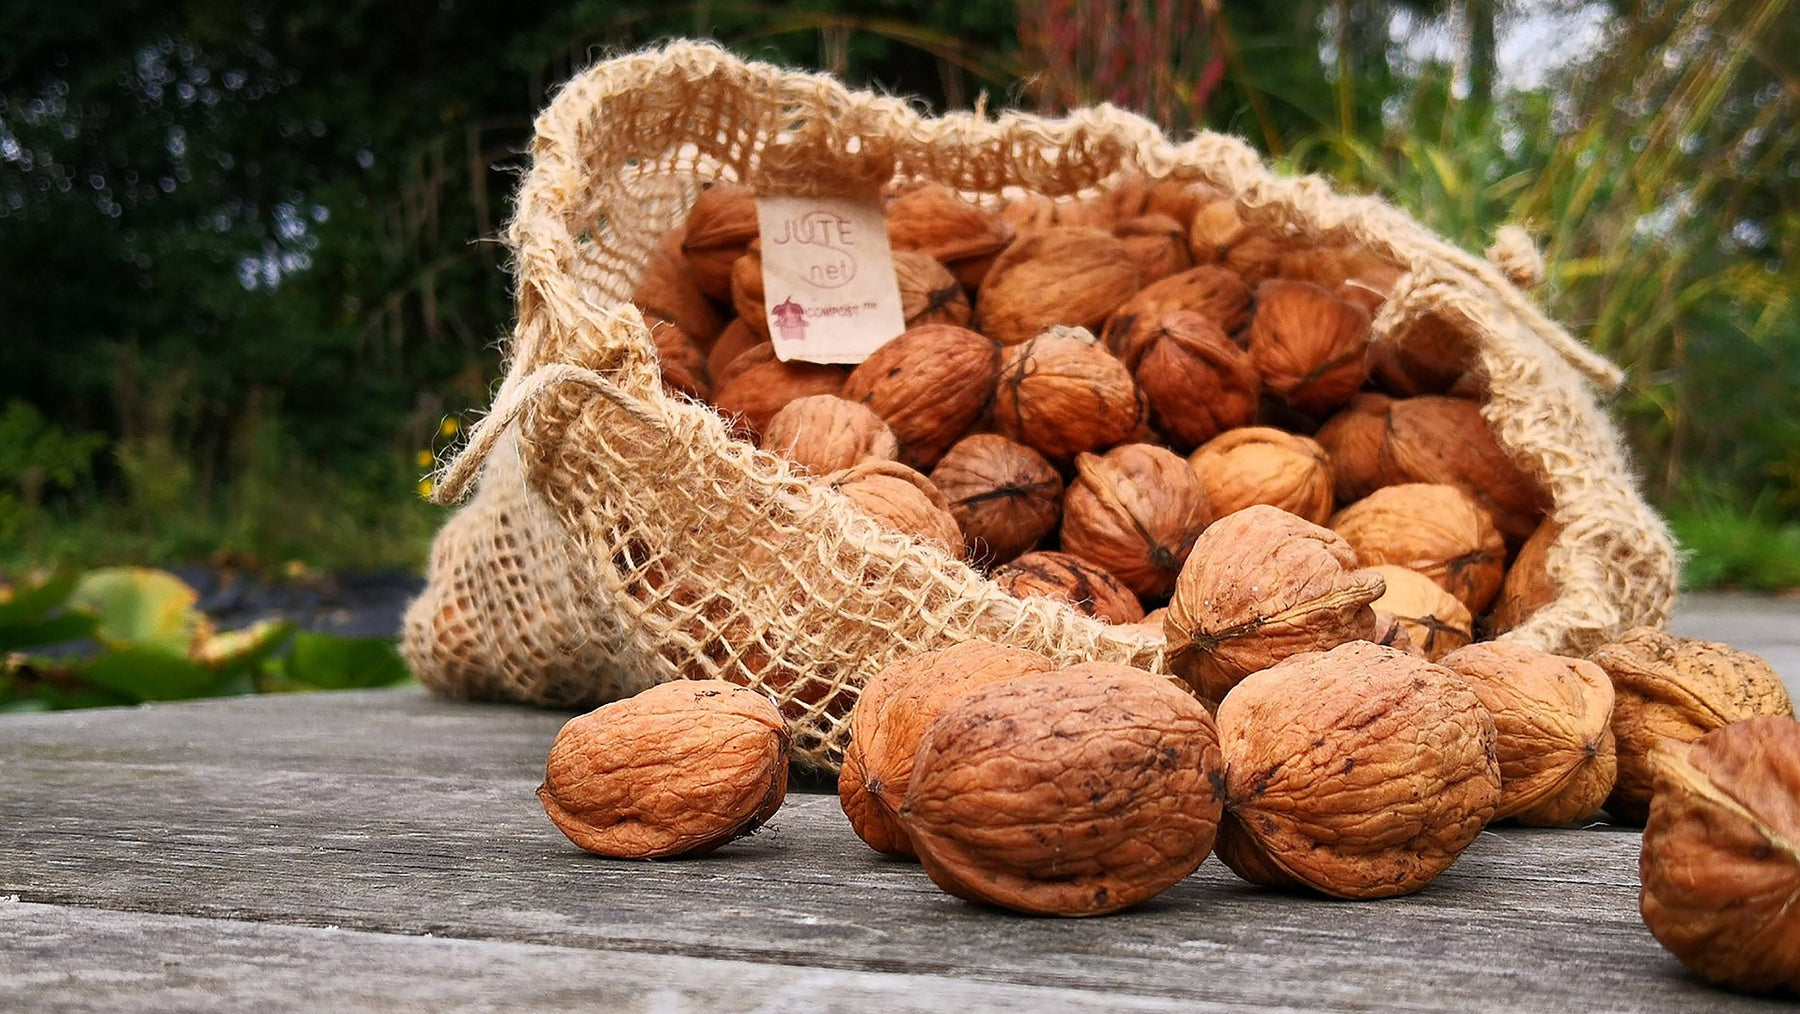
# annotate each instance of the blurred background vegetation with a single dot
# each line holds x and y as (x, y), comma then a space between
(249, 279)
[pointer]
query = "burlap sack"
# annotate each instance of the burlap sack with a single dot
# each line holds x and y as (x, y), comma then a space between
(622, 537)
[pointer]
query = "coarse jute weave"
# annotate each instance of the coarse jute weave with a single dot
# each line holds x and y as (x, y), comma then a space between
(621, 537)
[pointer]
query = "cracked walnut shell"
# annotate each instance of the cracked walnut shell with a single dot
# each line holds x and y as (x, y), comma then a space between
(1435, 529)
(891, 715)
(1261, 464)
(1675, 690)
(1135, 511)
(1720, 864)
(1553, 716)
(679, 769)
(1261, 585)
(1006, 496)
(1075, 793)
(1361, 772)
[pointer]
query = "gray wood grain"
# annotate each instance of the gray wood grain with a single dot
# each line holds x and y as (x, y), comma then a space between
(389, 813)
(57, 959)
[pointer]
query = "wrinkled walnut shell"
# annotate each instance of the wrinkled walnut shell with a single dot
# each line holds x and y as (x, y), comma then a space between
(751, 398)
(1195, 381)
(1259, 586)
(1005, 496)
(901, 499)
(1157, 244)
(1435, 529)
(1353, 441)
(1437, 439)
(824, 433)
(1062, 394)
(1309, 345)
(1212, 292)
(929, 385)
(1553, 719)
(929, 293)
(1077, 792)
(679, 769)
(1528, 586)
(1135, 511)
(733, 342)
(681, 363)
(747, 294)
(1072, 581)
(1260, 464)
(1677, 689)
(964, 237)
(719, 228)
(1434, 621)
(1720, 864)
(1068, 276)
(1362, 772)
(889, 721)
(667, 291)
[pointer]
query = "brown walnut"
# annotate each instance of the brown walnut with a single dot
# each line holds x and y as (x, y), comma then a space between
(1528, 586)
(1361, 772)
(734, 341)
(929, 293)
(1062, 394)
(1437, 530)
(681, 363)
(1428, 357)
(1218, 235)
(964, 237)
(1259, 586)
(1553, 717)
(751, 398)
(1136, 512)
(1260, 464)
(1195, 381)
(1212, 292)
(1070, 276)
(929, 385)
(719, 228)
(667, 291)
(1353, 441)
(1157, 244)
(1310, 346)
(747, 295)
(1720, 864)
(1076, 792)
(1673, 690)
(1434, 621)
(901, 499)
(679, 769)
(823, 433)
(1005, 496)
(1445, 440)
(1072, 581)
(890, 718)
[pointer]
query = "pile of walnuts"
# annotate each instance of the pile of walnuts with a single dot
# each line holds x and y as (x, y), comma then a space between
(1085, 388)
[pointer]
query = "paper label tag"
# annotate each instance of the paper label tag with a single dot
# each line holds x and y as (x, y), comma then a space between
(828, 277)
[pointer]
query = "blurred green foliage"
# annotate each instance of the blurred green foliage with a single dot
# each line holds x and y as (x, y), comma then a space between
(124, 635)
(252, 259)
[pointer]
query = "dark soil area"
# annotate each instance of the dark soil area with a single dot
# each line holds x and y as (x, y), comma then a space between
(345, 604)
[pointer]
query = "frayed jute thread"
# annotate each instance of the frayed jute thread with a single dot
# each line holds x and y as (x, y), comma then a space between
(620, 536)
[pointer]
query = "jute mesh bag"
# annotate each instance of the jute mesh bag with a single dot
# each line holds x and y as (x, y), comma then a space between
(622, 537)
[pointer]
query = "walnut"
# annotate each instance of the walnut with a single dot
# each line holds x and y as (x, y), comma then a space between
(1212, 292)
(1445, 440)
(1070, 276)
(1674, 690)
(751, 398)
(1434, 621)
(734, 341)
(1259, 586)
(1217, 235)
(929, 293)
(1528, 586)
(1361, 772)
(964, 237)
(679, 769)
(1072, 581)
(1005, 495)
(1310, 345)
(1062, 394)
(667, 292)
(1157, 243)
(1353, 441)
(1553, 716)
(901, 499)
(824, 433)
(1720, 867)
(1436, 530)
(682, 365)
(890, 718)
(1075, 792)
(1428, 357)
(1259, 464)
(747, 295)
(1136, 512)
(929, 385)
(719, 227)
(755, 355)
(1195, 381)
(1391, 633)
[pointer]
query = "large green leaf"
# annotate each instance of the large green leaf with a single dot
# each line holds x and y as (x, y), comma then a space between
(150, 673)
(339, 663)
(31, 604)
(138, 606)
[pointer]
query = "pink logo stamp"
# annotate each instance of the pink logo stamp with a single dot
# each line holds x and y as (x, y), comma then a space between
(790, 320)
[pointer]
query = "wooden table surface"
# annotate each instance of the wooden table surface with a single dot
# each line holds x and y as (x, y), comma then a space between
(383, 851)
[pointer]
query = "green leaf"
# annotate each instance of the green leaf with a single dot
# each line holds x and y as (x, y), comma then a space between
(150, 673)
(29, 605)
(243, 651)
(139, 606)
(56, 630)
(340, 663)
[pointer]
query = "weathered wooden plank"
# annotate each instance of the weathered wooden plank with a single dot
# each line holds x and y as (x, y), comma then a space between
(388, 812)
(56, 959)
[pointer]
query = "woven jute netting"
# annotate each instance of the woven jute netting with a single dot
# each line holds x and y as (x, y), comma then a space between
(621, 537)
